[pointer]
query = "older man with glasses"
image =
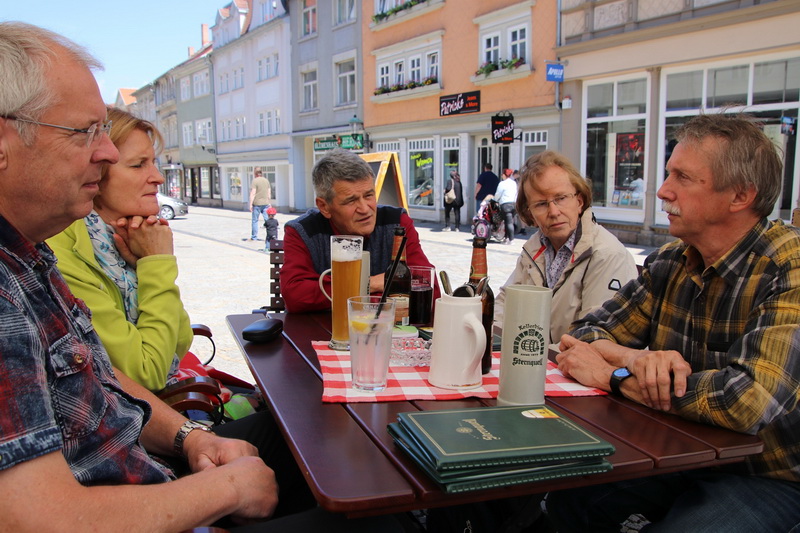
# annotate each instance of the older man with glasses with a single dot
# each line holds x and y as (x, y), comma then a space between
(582, 262)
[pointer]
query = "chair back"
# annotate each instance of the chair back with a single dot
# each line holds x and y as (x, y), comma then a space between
(276, 302)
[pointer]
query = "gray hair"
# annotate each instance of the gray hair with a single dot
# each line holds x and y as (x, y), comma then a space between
(745, 156)
(338, 165)
(26, 54)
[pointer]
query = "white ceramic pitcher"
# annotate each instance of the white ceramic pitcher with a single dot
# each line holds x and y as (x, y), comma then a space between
(458, 343)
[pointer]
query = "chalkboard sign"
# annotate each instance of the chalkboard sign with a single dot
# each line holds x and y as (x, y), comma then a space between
(388, 180)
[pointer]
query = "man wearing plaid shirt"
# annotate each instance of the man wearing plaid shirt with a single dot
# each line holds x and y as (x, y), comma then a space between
(710, 333)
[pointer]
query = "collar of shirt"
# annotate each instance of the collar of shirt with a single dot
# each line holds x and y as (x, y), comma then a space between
(556, 262)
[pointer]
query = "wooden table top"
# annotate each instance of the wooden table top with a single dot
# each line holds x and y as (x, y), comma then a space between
(352, 466)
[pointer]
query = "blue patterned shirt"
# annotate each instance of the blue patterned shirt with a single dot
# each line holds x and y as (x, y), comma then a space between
(57, 387)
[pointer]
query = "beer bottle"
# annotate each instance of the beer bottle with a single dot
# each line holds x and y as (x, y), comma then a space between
(477, 271)
(400, 285)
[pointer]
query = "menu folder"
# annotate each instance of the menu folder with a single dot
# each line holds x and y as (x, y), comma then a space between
(470, 449)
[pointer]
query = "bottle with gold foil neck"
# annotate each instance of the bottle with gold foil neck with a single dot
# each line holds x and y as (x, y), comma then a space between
(400, 285)
(477, 271)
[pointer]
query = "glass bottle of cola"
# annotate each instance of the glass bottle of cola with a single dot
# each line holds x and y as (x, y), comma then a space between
(477, 271)
(400, 285)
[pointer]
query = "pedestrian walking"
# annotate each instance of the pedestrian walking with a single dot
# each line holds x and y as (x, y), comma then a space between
(260, 197)
(453, 200)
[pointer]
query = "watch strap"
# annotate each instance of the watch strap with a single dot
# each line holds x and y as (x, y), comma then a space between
(183, 432)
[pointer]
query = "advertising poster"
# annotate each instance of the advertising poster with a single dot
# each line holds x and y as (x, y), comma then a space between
(629, 159)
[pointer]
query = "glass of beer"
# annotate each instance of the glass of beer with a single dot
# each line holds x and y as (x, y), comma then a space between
(345, 274)
(420, 305)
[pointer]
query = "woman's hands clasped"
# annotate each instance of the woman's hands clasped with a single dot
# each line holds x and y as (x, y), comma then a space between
(138, 237)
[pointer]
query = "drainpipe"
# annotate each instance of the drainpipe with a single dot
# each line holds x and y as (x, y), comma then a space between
(558, 84)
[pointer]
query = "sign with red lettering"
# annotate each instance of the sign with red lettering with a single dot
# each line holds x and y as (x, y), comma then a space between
(503, 129)
(460, 104)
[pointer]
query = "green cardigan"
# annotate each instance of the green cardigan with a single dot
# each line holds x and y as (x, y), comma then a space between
(144, 352)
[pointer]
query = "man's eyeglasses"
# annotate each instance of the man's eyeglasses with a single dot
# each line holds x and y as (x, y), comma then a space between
(562, 200)
(93, 132)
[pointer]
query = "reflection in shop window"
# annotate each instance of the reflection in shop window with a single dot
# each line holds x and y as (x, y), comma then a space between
(450, 156)
(615, 163)
(776, 82)
(684, 90)
(234, 184)
(205, 183)
(728, 86)
(421, 160)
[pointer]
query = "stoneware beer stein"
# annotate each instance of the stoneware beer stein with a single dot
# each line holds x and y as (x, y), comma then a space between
(345, 274)
(526, 340)
(458, 343)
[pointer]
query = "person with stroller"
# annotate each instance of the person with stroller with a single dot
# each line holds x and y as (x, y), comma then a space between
(453, 200)
(506, 198)
(582, 262)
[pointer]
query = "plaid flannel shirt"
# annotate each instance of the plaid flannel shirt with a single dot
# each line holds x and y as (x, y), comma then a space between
(736, 323)
(57, 387)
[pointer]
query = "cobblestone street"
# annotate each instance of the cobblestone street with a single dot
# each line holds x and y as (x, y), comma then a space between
(221, 273)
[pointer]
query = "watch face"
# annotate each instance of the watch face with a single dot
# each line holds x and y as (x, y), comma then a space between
(622, 372)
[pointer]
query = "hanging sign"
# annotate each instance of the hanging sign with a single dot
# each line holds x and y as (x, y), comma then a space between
(503, 129)
(555, 72)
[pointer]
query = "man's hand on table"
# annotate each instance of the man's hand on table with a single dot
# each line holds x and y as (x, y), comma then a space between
(656, 374)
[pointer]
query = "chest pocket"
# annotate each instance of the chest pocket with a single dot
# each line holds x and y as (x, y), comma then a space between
(78, 397)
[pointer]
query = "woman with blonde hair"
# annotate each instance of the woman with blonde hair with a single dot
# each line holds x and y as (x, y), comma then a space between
(119, 260)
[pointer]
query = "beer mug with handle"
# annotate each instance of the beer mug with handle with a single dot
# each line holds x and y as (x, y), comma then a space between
(458, 343)
(345, 275)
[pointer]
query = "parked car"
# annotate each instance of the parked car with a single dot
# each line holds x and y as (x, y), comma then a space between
(169, 208)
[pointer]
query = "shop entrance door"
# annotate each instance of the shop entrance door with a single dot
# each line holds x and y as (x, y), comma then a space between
(496, 154)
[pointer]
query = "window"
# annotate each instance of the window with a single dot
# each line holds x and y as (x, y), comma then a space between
(278, 121)
(518, 44)
(309, 90)
(234, 183)
(383, 75)
(450, 159)
(275, 63)
(268, 121)
(309, 18)
(433, 65)
(420, 164)
(776, 81)
(221, 130)
(205, 134)
(616, 117)
(238, 78)
(188, 134)
(399, 77)
(262, 69)
(262, 123)
(491, 48)
(344, 11)
(229, 128)
(346, 82)
(383, 6)
(267, 10)
(186, 92)
(200, 82)
(238, 128)
(415, 69)
(728, 86)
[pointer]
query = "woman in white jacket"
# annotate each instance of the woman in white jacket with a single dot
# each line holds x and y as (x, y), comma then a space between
(570, 253)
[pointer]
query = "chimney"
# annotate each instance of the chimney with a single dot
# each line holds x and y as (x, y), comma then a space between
(191, 51)
(204, 35)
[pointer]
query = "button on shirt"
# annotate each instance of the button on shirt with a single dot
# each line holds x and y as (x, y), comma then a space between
(57, 388)
(736, 323)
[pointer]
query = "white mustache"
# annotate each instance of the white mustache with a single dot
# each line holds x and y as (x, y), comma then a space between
(669, 208)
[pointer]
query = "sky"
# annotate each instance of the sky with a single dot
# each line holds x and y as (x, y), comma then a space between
(136, 41)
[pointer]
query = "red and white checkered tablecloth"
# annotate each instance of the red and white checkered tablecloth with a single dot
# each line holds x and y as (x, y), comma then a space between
(411, 383)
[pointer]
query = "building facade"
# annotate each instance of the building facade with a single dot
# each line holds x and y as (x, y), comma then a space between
(327, 97)
(635, 70)
(438, 74)
(253, 109)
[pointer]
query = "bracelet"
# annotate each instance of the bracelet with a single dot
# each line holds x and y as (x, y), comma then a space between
(183, 432)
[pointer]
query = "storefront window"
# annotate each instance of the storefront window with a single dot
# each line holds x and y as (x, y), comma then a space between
(450, 157)
(420, 181)
(776, 82)
(600, 100)
(615, 163)
(205, 183)
(728, 86)
(684, 90)
(234, 184)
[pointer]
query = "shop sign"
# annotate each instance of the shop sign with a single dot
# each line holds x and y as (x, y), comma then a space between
(555, 72)
(460, 104)
(348, 142)
(503, 129)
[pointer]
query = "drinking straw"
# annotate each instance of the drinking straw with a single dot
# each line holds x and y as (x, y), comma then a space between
(388, 282)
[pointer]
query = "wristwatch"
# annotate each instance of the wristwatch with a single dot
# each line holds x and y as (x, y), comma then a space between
(183, 432)
(617, 377)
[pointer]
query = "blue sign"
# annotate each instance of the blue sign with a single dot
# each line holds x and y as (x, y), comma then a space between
(555, 72)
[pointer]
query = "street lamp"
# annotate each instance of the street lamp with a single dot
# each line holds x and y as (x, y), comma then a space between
(356, 125)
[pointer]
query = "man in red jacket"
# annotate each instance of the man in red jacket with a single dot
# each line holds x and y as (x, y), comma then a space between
(346, 205)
